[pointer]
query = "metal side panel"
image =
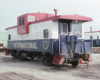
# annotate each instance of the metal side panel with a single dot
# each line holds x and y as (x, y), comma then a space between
(88, 47)
(64, 50)
(55, 46)
(83, 48)
(30, 45)
(78, 48)
(35, 45)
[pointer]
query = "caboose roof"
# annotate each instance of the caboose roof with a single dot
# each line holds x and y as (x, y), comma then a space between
(66, 17)
(75, 17)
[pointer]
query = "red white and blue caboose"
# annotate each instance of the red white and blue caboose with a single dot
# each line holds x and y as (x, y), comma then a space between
(53, 38)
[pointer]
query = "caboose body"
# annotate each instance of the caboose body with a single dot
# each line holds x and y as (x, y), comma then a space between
(53, 38)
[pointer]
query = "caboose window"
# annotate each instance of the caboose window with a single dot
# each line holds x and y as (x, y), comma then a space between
(97, 37)
(46, 33)
(21, 21)
(64, 28)
(77, 29)
(9, 37)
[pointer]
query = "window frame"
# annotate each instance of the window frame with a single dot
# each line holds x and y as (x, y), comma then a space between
(44, 33)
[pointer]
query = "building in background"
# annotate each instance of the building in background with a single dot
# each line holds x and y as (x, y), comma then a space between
(3, 38)
(94, 36)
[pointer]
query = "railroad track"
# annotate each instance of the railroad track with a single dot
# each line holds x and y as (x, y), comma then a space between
(24, 76)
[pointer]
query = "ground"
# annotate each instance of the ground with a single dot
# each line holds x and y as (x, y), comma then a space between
(13, 69)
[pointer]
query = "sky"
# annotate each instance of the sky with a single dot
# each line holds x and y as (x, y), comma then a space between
(11, 9)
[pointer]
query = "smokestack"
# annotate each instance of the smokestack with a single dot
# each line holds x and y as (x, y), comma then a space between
(55, 11)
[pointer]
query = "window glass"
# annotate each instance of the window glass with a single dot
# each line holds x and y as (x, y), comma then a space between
(77, 29)
(97, 37)
(64, 28)
(46, 33)
(9, 37)
(21, 21)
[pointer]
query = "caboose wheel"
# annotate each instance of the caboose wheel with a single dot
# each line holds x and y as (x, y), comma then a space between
(75, 63)
(47, 60)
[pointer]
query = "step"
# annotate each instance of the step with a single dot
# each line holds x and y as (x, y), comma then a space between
(57, 60)
(56, 63)
(58, 57)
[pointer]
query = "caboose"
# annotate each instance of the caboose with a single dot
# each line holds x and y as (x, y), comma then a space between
(55, 39)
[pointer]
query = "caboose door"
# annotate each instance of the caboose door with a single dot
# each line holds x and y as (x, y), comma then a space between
(63, 32)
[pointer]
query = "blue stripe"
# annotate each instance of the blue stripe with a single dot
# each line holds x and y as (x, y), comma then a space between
(35, 45)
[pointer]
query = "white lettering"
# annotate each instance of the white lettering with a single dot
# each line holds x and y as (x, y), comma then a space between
(25, 45)
(28, 45)
(34, 45)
